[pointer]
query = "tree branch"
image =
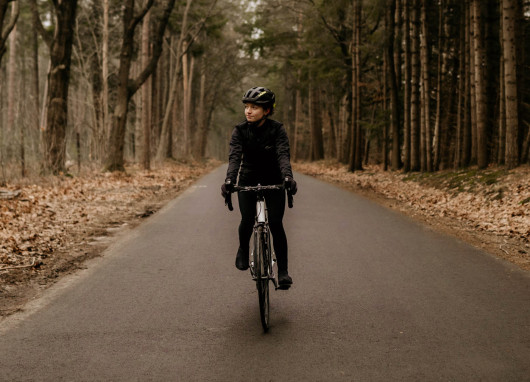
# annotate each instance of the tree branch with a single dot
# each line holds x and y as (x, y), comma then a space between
(46, 36)
(9, 27)
(134, 85)
(141, 15)
(334, 32)
(11, 24)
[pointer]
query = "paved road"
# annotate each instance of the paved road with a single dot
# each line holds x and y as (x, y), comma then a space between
(376, 297)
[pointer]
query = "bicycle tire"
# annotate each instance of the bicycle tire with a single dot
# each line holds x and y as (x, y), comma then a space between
(262, 277)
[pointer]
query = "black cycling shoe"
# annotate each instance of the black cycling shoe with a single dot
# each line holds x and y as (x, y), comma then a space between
(241, 260)
(284, 280)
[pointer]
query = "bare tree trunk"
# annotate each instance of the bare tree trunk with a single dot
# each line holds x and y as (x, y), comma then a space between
(509, 16)
(187, 80)
(392, 79)
(426, 91)
(358, 164)
(200, 150)
(467, 148)
(298, 117)
(398, 34)
(415, 90)
(441, 72)
(343, 128)
(482, 143)
(11, 76)
(6, 30)
(58, 81)
(165, 136)
(317, 146)
(332, 140)
(458, 160)
(98, 138)
(356, 145)
(146, 97)
(501, 140)
(525, 152)
(384, 96)
(35, 72)
(407, 89)
(298, 94)
(472, 84)
(449, 88)
(128, 87)
(104, 129)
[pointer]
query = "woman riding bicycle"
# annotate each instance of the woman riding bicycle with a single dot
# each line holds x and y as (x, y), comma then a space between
(260, 154)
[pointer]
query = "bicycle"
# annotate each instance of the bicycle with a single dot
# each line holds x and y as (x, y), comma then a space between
(263, 261)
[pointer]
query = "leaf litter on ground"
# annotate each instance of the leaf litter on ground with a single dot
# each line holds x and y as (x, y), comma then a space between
(52, 214)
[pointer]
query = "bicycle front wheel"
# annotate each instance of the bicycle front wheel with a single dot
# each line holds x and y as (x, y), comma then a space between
(262, 276)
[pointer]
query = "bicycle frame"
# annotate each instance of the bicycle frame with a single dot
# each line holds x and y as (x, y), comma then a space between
(262, 257)
(261, 227)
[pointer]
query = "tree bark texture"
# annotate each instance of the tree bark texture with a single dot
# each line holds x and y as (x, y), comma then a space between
(128, 87)
(441, 73)
(415, 89)
(11, 76)
(426, 92)
(357, 164)
(407, 87)
(356, 144)
(509, 15)
(146, 97)
(480, 87)
(392, 80)
(166, 137)
(200, 144)
(104, 128)
(99, 136)
(5, 29)
(58, 81)
(317, 147)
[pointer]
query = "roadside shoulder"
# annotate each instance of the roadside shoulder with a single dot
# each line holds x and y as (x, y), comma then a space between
(487, 209)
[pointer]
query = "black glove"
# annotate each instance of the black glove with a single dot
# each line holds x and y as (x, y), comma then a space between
(290, 184)
(227, 188)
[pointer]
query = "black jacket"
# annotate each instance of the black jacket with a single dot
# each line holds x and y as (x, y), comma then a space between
(259, 154)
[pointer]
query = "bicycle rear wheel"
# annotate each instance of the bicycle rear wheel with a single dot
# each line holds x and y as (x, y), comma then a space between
(262, 277)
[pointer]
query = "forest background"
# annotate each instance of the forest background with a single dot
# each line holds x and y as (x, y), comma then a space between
(409, 84)
(398, 87)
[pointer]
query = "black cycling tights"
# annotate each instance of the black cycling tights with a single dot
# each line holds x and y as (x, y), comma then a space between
(275, 200)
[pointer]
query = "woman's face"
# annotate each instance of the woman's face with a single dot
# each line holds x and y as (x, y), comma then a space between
(254, 112)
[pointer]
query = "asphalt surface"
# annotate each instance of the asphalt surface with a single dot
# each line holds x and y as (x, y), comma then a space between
(376, 297)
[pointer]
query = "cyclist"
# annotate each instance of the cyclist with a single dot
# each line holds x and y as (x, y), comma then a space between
(260, 154)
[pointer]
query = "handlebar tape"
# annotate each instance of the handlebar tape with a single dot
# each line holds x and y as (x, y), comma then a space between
(289, 199)
(228, 201)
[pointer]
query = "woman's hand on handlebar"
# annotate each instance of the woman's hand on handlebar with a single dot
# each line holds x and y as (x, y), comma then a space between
(290, 185)
(226, 191)
(227, 188)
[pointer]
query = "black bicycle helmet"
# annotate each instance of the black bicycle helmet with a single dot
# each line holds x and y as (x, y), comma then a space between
(260, 96)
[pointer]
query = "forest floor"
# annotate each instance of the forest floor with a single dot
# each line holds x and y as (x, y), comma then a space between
(50, 226)
(489, 209)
